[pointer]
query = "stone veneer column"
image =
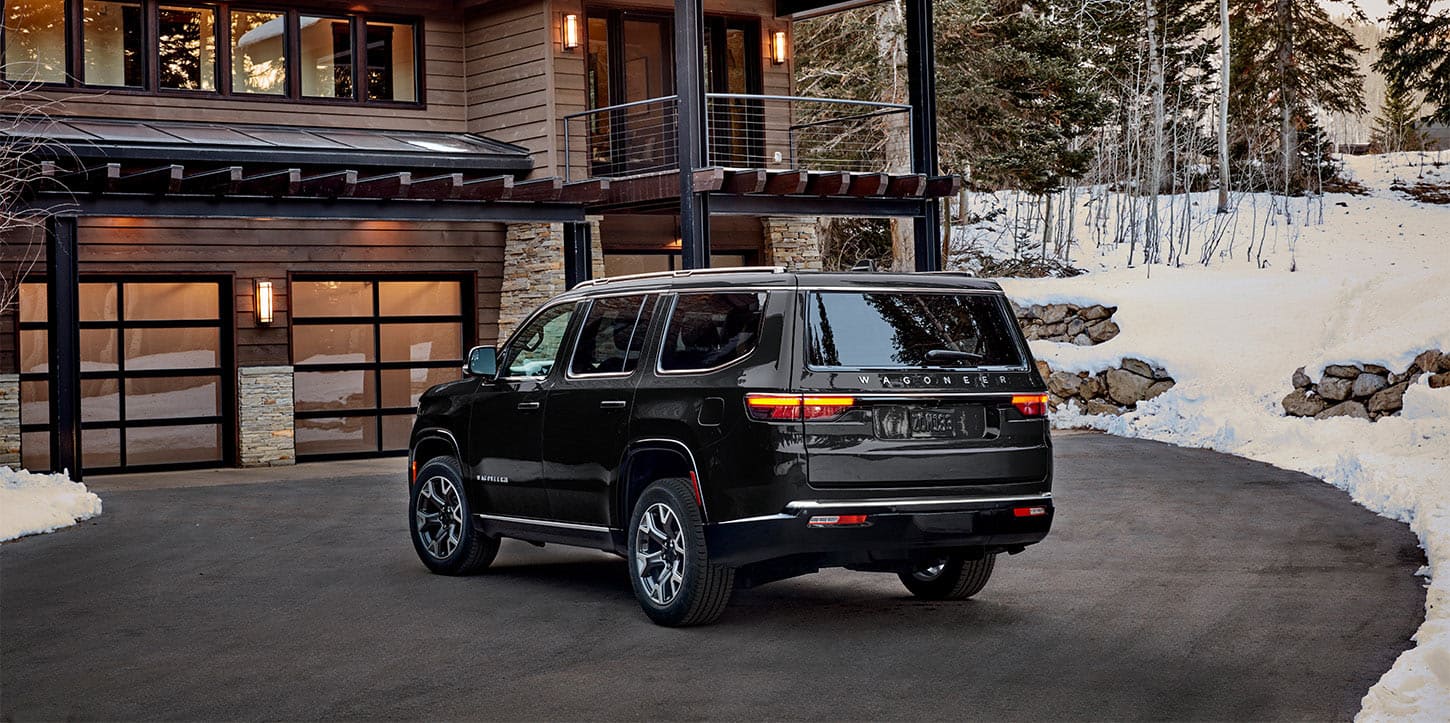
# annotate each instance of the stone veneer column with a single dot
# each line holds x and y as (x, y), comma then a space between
(10, 420)
(533, 271)
(792, 242)
(596, 249)
(264, 395)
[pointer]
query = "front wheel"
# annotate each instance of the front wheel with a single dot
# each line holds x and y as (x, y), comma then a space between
(949, 577)
(440, 521)
(670, 569)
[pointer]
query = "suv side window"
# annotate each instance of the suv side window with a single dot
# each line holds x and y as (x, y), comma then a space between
(710, 330)
(612, 338)
(536, 346)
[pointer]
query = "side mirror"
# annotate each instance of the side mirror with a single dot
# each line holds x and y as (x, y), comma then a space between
(482, 362)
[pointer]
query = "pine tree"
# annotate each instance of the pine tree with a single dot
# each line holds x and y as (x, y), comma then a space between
(1395, 129)
(1415, 53)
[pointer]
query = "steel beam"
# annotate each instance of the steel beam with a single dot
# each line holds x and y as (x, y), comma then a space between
(693, 132)
(921, 89)
(63, 327)
(577, 251)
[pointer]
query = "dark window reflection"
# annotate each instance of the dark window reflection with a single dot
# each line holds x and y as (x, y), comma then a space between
(890, 331)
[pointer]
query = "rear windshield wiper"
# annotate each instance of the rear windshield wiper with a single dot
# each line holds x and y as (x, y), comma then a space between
(950, 357)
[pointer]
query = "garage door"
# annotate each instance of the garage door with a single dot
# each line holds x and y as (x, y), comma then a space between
(155, 374)
(363, 349)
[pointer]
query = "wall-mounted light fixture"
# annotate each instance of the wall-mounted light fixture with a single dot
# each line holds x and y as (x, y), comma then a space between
(777, 47)
(264, 301)
(570, 31)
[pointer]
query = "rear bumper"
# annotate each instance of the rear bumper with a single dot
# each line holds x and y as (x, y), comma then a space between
(894, 528)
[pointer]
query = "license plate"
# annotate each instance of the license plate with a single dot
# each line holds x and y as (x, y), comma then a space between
(910, 423)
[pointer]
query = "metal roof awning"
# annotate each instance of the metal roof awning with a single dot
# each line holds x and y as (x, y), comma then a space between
(279, 146)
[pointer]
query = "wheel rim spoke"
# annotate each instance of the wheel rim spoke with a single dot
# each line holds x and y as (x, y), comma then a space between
(659, 544)
(439, 516)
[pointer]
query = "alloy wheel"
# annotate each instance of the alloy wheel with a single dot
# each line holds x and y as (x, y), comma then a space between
(439, 516)
(930, 570)
(659, 554)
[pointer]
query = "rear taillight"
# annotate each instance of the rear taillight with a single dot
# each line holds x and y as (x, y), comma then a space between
(795, 407)
(1029, 511)
(837, 521)
(1030, 405)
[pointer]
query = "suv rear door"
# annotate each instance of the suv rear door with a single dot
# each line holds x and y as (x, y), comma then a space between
(587, 423)
(922, 384)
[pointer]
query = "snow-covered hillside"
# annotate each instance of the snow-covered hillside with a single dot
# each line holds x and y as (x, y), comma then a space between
(1370, 284)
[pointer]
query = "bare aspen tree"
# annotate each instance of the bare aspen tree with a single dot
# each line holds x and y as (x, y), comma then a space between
(1155, 173)
(23, 149)
(1223, 90)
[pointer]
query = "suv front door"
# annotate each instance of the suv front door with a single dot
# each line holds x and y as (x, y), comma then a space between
(507, 419)
(587, 422)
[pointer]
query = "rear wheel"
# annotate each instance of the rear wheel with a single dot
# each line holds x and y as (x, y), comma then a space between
(440, 521)
(670, 569)
(948, 577)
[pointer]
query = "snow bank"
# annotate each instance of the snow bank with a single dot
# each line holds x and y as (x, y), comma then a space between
(1370, 284)
(34, 503)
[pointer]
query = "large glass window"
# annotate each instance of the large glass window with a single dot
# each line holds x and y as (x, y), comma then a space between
(613, 335)
(849, 330)
(154, 374)
(186, 47)
(707, 331)
(326, 62)
(113, 36)
(365, 350)
(391, 72)
(259, 59)
(35, 41)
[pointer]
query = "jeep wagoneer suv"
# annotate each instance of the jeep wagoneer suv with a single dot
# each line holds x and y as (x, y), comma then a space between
(732, 427)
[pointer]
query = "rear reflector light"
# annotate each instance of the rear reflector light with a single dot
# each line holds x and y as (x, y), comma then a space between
(836, 520)
(1029, 511)
(795, 407)
(1030, 405)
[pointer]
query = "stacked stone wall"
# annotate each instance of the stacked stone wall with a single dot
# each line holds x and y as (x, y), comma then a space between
(10, 420)
(1111, 391)
(792, 242)
(267, 408)
(1362, 391)
(1071, 323)
(533, 271)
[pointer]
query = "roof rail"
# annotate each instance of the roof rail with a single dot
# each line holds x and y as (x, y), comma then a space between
(680, 274)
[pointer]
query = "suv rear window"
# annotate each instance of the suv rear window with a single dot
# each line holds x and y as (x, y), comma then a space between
(613, 336)
(896, 330)
(710, 330)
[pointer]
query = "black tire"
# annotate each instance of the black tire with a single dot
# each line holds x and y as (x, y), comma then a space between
(958, 579)
(703, 588)
(446, 514)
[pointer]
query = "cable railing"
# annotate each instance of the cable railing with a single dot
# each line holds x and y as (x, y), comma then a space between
(743, 131)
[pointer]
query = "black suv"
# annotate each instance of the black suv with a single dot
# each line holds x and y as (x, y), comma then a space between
(738, 426)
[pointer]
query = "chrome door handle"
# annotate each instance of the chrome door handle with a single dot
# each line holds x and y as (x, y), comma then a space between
(528, 405)
(612, 404)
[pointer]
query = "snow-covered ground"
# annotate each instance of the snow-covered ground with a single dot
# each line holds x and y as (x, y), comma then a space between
(34, 503)
(1369, 284)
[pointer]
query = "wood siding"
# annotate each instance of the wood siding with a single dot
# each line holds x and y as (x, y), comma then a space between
(248, 249)
(509, 83)
(444, 83)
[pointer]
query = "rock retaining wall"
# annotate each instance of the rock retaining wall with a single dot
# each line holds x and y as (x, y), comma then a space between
(1362, 391)
(1111, 391)
(1080, 325)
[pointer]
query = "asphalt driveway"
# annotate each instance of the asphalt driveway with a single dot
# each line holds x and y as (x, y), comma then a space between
(1176, 584)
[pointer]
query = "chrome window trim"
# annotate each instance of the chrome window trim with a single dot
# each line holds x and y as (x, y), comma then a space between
(670, 317)
(529, 320)
(569, 374)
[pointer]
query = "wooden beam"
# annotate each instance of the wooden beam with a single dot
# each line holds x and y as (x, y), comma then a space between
(744, 181)
(786, 183)
(907, 186)
(868, 184)
(217, 180)
(709, 179)
(437, 188)
(161, 179)
(543, 189)
(335, 184)
(285, 182)
(587, 191)
(939, 186)
(494, 188)
(643, 187)
(388, 185)
(828, 184)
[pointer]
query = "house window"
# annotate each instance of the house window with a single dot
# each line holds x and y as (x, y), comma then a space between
(35, 33)
(326, 62)
(155, 374)
(112, 39)
(186, 48)
(364, 349)
(156, 45)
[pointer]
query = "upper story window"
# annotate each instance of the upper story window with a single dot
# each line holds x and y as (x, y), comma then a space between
(217, 48)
